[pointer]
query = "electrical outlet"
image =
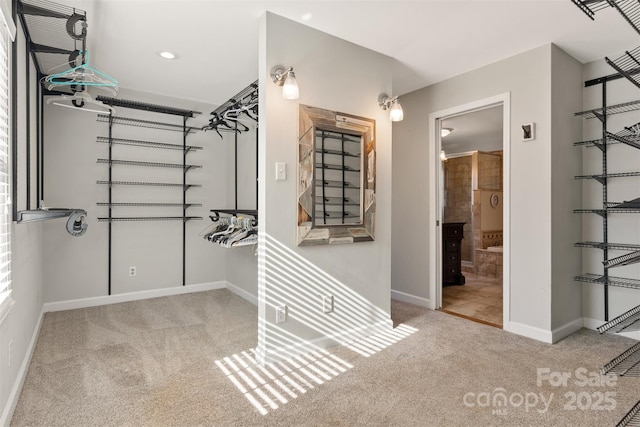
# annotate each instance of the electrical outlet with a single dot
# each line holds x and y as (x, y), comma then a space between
(132, 271)
(327, 304)
(10, 352)
(281, 314)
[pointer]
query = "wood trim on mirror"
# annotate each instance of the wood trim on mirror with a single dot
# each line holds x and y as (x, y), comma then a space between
(336, 182)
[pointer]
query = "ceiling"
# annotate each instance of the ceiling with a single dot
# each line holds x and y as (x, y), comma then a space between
(431, 40)
(476, 131)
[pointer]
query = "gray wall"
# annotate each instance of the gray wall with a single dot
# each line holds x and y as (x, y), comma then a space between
(77, 267)
(566, 160)
(528, 78)
(242, 262)
(358, 275)
(20, 327)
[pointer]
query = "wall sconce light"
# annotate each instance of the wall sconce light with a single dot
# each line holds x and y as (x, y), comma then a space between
(443, 156)
(286, 78)
(445, 131)
(395, 109)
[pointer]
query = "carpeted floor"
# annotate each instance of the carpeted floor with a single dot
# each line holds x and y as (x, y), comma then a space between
(187, 360)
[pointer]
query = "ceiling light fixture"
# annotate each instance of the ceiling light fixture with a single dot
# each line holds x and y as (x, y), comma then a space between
(445, 131)
(168, 55)
(286, 78)
(395, 109)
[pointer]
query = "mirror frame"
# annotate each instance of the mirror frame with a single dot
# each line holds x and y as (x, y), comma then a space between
(311, 119)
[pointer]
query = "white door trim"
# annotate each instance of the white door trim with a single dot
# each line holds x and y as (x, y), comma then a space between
(435, 210)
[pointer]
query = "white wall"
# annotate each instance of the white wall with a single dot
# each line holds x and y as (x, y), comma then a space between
(623, 228)
(528, 78)
(339, 76)
(21, 326)
(242, 262)
(566, 162)
(76, 267)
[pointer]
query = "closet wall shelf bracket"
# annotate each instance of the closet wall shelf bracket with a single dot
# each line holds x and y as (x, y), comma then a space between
(624, 107)
(149, 164)
(626, 322)
(602, 177)
(615, 246)
(626, 259)
(627, 65)
(149, 218)
(627, 364)
(128, 121)
(621, 282)
(45, 214)
(150, 184)
(148, 144)
(216, 213)
(150, 204)
(629, 9)
(115, 102)
(624, 138)
(632, 418)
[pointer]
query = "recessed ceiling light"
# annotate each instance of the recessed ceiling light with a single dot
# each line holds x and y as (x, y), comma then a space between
(168, 55)
(307, 17)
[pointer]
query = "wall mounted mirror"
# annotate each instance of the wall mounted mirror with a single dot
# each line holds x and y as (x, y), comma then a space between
(336, 177)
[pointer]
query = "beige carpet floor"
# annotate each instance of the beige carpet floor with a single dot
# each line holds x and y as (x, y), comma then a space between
(186, 360)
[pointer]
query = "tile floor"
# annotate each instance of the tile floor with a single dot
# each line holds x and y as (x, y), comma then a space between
(480, 298)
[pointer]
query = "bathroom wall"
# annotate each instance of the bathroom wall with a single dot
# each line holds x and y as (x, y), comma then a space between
(490, 170)
(457, 193)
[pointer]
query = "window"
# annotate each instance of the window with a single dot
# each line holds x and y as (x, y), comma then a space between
(7, 34)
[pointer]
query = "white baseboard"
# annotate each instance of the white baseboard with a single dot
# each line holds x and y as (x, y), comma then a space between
(568, 329)
(411, 299)
(531, 332)
(591, 323)
(286, 352)
(131, 296)
(14, 395)
(242, 293)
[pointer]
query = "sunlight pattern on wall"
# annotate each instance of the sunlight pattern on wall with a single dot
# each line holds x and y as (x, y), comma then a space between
(288, 279)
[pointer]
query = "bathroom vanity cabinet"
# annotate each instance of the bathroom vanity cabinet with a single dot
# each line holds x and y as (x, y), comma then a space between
(452, 235)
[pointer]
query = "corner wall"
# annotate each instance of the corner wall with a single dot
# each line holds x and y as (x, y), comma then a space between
(528, 77)
(566, 160)
(76, 267)
(340, 76)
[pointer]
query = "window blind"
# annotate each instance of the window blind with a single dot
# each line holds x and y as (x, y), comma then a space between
(5, 188)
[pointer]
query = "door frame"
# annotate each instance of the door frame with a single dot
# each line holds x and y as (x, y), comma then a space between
(435, 198)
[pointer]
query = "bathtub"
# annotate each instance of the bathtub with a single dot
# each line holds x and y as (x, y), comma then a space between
(495, 249)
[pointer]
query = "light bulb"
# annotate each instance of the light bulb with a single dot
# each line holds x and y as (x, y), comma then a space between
(290, 87)
(396, 114)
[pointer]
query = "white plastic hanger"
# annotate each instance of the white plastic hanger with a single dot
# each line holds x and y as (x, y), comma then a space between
(79, 101)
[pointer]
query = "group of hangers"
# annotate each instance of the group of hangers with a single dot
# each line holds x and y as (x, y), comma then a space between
(80, 76)
(229, 118)
(233, 231)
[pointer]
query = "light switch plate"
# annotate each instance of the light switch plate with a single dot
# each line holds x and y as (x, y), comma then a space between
(281, 171)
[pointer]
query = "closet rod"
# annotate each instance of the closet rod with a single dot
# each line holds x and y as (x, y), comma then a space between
(125, 103)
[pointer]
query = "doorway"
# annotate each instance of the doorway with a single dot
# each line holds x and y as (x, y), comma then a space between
(469, 204)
